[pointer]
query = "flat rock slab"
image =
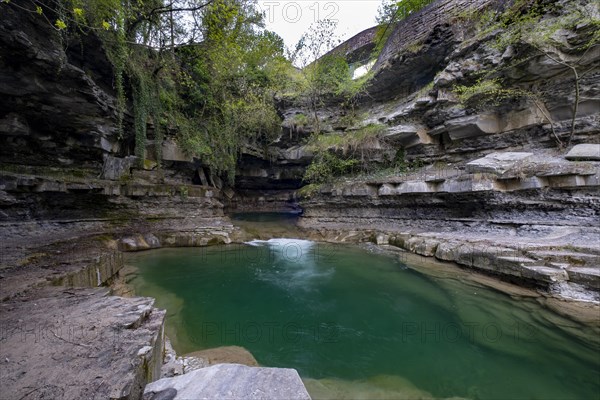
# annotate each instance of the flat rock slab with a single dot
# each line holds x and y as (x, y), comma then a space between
(498, 163)
(78, 344)
(230, 381)
(584, 152)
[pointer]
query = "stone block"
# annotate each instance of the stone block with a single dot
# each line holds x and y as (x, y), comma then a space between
(415, 187)
(589, 277)
(545, 274)
(584, 152)
(172, 152)
(114, 168)
(387, 189)
(230, 381)
(408, 135)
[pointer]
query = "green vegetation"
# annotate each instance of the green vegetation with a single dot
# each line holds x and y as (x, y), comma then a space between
(309, 190)
(326, 166)
(388, 14)
(324, 75)
(349, 141)
(487, 92)
(300, 120)
(183, 192)
(343, 154)
(540, 29)
(203, 71)
(395, 11)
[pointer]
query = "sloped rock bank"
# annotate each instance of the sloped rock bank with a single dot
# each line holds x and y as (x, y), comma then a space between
(79, 343)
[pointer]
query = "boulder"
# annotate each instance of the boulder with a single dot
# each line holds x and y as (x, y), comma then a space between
(387, 190)
(230, 381)
(139, 242)
(225, 355)
(408, 135)
(297, 154)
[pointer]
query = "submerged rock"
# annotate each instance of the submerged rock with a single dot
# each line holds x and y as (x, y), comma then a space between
(383, 387)
(225, 355)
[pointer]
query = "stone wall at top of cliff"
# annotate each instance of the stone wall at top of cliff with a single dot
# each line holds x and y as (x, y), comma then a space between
(358, 48)
(417, 26)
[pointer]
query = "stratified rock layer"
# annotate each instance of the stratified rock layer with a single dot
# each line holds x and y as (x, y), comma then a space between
(528, 218)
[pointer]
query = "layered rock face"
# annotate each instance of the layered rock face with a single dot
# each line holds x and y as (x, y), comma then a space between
(267, 180)
(69, 191)
(495, 193)
(65, 173)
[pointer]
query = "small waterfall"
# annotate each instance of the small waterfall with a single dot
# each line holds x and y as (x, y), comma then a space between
(294, 263)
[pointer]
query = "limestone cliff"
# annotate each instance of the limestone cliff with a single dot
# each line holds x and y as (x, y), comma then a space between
(71, 196)
(491, 185)
(64, 171)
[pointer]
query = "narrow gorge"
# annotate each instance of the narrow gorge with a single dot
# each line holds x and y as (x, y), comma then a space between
(469, 151)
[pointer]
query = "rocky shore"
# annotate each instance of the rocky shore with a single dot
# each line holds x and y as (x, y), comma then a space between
(525, 218)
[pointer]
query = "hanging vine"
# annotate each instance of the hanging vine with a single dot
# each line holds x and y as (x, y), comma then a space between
(140, 110)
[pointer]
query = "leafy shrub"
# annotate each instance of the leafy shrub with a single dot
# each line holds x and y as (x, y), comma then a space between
(485, 93)
(326, 166)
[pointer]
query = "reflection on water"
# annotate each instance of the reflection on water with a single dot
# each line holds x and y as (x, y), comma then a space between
(356, 324)
(267, 225)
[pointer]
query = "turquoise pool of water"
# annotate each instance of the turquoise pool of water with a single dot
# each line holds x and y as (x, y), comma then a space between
(355, 322)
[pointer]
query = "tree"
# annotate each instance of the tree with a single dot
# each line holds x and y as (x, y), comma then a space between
(231, 79)
(531, 22)
(391, 11)
(204, 71)
(323, 73)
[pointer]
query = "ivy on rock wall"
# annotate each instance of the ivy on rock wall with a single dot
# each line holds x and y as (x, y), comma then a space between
(204, 71)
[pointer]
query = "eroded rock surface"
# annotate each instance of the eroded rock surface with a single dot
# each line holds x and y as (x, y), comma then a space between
(79, 343)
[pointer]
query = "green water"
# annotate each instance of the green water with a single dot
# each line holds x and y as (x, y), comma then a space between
(356, 320)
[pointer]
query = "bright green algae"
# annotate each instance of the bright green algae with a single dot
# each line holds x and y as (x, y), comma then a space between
(362, 321)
